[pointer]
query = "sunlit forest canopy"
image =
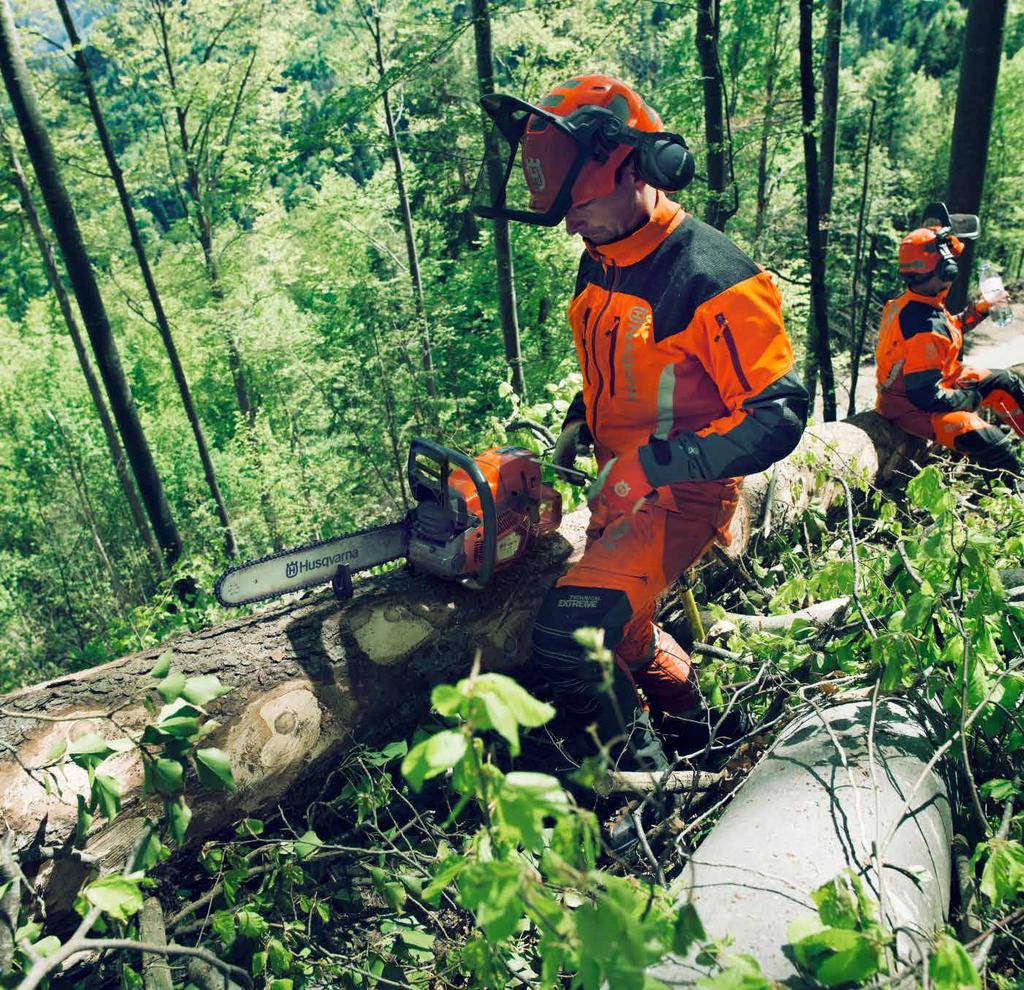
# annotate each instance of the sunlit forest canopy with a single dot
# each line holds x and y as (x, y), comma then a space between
(260, 162)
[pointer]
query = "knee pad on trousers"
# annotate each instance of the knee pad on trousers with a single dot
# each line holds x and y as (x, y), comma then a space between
(991, 449)
(1004, 380)
(573, 679)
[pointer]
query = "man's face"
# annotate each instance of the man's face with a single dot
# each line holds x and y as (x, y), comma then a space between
(934, 286)
(610, 218)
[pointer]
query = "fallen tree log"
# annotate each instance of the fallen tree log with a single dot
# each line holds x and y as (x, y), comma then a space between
(313, 676)
(880, 809)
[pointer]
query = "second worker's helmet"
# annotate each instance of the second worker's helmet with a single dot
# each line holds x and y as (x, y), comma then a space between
(927, 251)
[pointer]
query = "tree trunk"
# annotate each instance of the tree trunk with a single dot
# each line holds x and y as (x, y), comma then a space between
(830, 109)
(972, 123)
(64, 303)
(147, 276)
(407, 223)
(90, 303)
(855, 342)
(819, 354)
(311, 679)
(767, 123)
(197, 191)
(502, 241)
(716, 212)
(858, 344)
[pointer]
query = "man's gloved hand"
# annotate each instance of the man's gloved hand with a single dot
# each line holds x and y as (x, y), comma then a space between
(620, 487)
(572, 441)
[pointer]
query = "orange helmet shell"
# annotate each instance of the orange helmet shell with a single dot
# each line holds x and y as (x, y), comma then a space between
(919, 251)
(596, 178)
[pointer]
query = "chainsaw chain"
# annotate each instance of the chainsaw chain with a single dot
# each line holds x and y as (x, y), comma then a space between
(288, 551)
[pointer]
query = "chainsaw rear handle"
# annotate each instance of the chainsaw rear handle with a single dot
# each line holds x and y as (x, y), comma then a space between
(443, 457)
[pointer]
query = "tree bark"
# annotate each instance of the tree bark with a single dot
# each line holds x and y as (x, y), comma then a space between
(819, 354)
(830, 108)
(861, 333)
(717, 212)
(311, 679)
(768, 122)
(502, 240)
(92, 383)
(90, 303)
(159, 313)
(972, 122)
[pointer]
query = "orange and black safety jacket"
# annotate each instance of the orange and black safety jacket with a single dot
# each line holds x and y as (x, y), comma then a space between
(684, 354)
(919, 366)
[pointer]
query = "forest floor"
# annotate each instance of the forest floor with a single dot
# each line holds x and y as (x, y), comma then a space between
(988, 346)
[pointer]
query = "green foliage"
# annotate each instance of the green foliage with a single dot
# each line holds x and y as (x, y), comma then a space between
(846, 944)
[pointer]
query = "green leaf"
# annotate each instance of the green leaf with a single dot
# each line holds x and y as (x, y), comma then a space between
(47, 946)
(202, 690)
(179, 719)
(999, 789)
(178, 815)
(278, 957)
(447, 700)
(525, 708)
(522, 803)
(1003, 876)
(395, 894)
(163, 665)
(951, 967)
(449, 869)
(838, 955)
(152, 852)
(927, 491)
(687, 929)
(56, 753)
(106, 792)
(258, 963)
(840, 902)
(117, 896)
(491, 891)
(309, 844)
(251, 924)
(89, 751)
(214, 766)
(167, 777)
(171, 686)
(433, 756)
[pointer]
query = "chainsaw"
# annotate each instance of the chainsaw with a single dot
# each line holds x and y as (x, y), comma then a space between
(472, 517)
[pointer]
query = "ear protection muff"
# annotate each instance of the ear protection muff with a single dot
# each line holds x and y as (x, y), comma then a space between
(948, 267)
(663, 159)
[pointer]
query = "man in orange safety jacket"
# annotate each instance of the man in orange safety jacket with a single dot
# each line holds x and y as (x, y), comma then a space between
(687, 371)
(923, 386)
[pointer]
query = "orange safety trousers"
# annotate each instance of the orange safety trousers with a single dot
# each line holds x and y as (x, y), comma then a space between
(957, 430)
(615, 585)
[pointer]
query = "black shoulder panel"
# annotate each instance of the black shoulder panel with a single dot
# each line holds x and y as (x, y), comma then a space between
(693, 264)
(918, 317)
(589, 271)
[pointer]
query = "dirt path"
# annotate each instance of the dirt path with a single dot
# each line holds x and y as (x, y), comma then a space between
(987, 346)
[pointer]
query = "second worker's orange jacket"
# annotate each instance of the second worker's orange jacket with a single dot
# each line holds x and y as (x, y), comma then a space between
(684, 354)
(918, 359)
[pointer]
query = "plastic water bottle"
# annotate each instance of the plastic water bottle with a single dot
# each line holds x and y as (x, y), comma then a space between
(991, 287)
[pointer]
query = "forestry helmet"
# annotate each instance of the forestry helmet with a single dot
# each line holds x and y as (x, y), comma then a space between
(569, 148)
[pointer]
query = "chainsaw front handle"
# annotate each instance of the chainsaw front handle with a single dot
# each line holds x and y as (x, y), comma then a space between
(444, 457)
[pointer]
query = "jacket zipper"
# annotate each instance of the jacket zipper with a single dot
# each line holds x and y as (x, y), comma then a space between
(593, 341)
(614, 335)
(730, 343)
(586, 352)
